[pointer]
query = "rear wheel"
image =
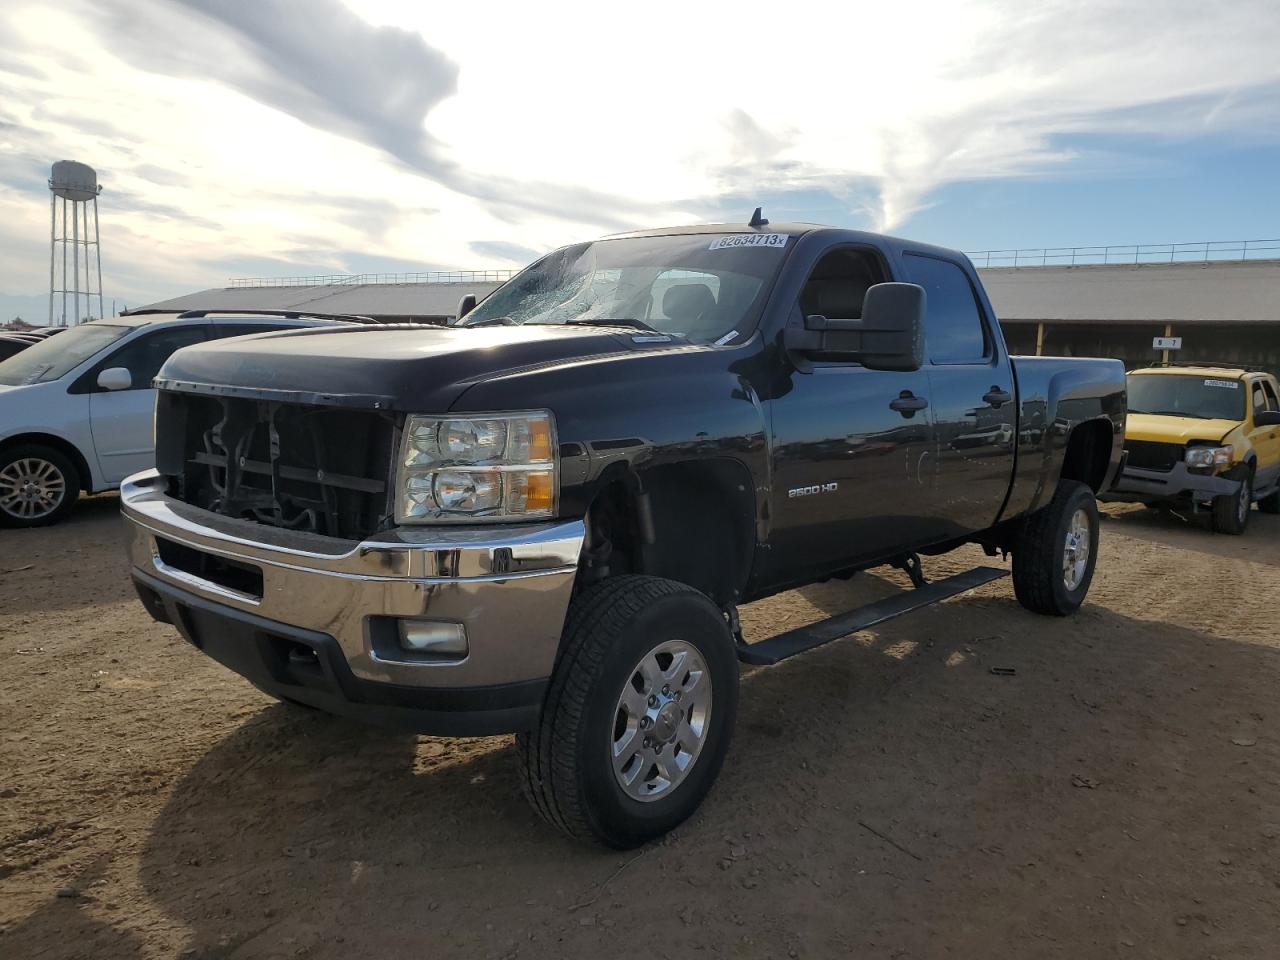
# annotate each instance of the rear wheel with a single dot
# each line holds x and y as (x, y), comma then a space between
(38, 486)
(639, 714)
(1270, 503)
(1055, 551)
(1231, 510)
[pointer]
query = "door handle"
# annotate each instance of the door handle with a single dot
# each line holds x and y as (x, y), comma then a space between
(908, 403)
(996, 397)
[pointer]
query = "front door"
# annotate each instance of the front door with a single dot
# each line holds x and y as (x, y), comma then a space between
(852, 447)
(972, 396)
(1265, 440)
(123, 421)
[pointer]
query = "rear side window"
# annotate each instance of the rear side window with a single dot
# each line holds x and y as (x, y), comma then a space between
(953, 327)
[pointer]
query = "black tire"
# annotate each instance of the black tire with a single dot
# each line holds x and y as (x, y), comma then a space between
(1270, 503)
(1039, 552)
(1231, 511)
(20, 460)
(611, 628)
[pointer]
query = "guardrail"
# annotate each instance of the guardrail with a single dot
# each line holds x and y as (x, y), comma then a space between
(355, 279)
(1196, 252)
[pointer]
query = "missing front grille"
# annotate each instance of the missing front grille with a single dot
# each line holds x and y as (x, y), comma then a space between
(301, 467)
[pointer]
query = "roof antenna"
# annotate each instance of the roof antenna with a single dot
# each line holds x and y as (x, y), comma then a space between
(757, 220)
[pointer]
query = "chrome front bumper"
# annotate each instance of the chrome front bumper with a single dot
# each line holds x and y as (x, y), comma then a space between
(1136, 484)
(510, 585)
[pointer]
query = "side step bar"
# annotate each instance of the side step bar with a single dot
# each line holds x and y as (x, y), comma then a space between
(784, 645)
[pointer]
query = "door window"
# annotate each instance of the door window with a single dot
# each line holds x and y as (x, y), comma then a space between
(1258, 398)
(839, 284)
(953, 327)
(1269, 392)
(144, 356)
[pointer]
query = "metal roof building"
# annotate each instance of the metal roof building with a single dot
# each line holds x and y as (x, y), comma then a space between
(391, 298)
(1219, 310)
(1236, 291)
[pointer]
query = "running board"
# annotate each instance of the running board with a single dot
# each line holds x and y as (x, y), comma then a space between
(784, 645)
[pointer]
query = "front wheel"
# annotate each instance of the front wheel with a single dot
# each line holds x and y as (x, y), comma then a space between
(1231, 510)
(38, 486)
(1055, 551)
(639, 714)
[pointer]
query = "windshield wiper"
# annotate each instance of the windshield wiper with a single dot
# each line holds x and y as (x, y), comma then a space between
(611, 322)
(491, 322)
(1170, 413)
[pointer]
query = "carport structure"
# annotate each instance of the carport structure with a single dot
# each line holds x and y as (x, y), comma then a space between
(1223, 310)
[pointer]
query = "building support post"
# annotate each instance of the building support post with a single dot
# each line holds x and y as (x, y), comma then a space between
(1164, 354)
(1039, 339)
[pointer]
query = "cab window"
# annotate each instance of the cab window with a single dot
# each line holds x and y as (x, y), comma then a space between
(839, 284)
(953, 329)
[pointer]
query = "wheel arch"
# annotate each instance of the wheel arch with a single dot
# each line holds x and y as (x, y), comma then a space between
(62, 445)
(688, 521)
(1087, 454)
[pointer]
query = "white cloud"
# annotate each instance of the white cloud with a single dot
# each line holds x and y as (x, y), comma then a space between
(313, 136)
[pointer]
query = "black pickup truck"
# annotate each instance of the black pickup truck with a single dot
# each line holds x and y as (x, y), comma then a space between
(542, 519)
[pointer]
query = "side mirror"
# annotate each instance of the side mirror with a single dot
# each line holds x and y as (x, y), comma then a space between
(115, 378)
(890, 335)
(466, 305)
(1266, 418)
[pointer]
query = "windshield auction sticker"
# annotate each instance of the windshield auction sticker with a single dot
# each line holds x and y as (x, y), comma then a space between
(1228, 384)
(774, 241)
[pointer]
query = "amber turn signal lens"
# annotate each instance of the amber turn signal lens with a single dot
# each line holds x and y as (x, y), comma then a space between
(539, 441)
(541, 491)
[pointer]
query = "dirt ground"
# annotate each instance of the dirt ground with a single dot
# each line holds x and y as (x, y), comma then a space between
(885, 796)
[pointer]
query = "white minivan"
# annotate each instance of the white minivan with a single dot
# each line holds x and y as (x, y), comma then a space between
(77, 410)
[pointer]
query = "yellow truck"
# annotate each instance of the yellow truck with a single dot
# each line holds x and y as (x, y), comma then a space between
(1203, 436)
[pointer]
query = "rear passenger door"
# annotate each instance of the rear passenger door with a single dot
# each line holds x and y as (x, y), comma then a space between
(972, 396)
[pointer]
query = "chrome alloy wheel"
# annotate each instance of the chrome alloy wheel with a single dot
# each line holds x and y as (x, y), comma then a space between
(1075, 554)
(661, 720)
(1243, 502)
(31, 488)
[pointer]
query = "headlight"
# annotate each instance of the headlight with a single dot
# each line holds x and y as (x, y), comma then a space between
(496, 467)
(1208, 456)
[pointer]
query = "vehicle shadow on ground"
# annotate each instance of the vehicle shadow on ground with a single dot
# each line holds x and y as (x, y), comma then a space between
(1260, 543)
(1060, 809)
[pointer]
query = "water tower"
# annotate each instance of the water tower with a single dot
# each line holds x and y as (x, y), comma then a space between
(76, 185)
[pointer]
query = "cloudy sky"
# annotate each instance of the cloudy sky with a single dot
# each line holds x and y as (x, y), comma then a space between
(297, 137)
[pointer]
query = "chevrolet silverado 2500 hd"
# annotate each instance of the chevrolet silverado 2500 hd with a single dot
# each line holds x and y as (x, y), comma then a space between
(542, 519)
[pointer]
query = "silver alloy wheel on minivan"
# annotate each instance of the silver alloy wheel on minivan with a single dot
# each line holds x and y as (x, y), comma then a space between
(31, 488)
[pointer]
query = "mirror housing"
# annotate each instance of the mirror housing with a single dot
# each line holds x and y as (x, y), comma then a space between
(1266, 418)
(466, 305)
(115, 378)
(889, 336)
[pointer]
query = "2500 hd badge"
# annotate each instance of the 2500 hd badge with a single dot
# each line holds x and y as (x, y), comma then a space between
(535, 521)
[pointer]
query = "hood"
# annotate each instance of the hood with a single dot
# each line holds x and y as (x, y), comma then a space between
(415, 369)
(1180, 430)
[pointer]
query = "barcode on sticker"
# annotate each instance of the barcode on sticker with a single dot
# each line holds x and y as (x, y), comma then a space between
(734, 240)
(1229, 384)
